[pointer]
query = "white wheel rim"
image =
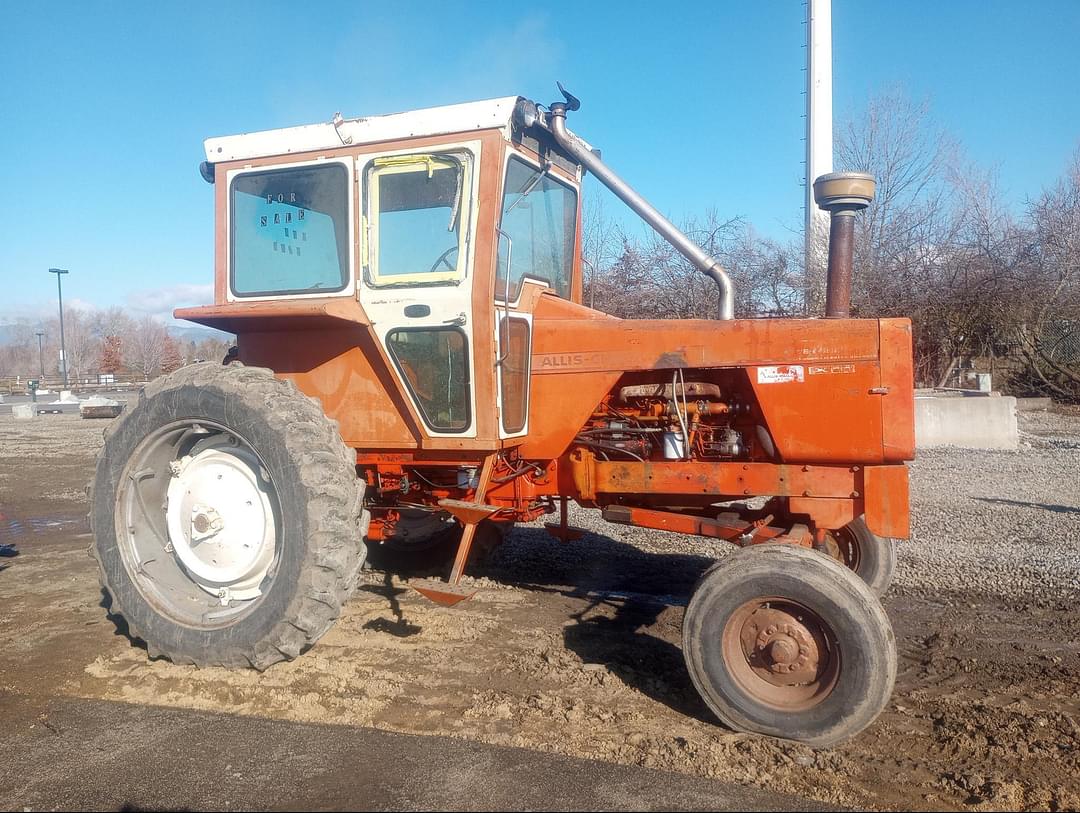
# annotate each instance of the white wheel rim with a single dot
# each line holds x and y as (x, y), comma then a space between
(220, 518)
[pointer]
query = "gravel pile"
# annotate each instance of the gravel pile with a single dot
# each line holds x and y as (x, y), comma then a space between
(997, 523)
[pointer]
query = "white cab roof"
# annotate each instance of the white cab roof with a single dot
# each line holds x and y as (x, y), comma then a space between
(454, 118)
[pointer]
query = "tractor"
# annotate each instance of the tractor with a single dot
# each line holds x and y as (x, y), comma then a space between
(414, 368)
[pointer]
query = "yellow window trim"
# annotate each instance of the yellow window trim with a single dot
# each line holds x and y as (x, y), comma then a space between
(400, 164)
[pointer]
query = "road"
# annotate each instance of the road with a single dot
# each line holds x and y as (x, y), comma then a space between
(92, 754)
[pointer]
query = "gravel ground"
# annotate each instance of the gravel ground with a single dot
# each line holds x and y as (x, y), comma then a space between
(1000, 523)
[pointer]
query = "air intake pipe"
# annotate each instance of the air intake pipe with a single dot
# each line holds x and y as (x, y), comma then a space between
(556, 124)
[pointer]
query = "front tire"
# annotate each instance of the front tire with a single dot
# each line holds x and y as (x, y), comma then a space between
(783, 641)
(227, 517)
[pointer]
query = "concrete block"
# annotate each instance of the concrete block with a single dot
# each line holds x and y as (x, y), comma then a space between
(24, 412)
(969, 423)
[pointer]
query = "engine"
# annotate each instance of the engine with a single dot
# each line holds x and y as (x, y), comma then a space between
(676, 420)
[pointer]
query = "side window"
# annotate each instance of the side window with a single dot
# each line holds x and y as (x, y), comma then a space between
(514, 373)
(288, 231)
(435, 365)
(539, 215)
(417, 219)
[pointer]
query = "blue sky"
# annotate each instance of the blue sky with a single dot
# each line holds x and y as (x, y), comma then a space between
(698, 104)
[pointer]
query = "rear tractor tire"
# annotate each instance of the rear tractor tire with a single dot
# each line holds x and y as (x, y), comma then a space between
(782, 641)
(228, 518)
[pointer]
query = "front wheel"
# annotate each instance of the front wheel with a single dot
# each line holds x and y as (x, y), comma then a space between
(227, 518)
(783, 641)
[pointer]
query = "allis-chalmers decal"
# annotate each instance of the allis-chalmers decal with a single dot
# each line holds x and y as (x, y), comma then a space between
(562, 361)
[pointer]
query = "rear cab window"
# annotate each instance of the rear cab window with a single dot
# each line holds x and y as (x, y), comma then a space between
(289, 231)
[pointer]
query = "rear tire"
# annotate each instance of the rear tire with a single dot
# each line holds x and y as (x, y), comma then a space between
(227, 517)
(783, 641)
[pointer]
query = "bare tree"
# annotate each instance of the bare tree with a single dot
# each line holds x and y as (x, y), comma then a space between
(900, 234)
(1049, 335)
(600, 244)
(145, 352)
(645, 278)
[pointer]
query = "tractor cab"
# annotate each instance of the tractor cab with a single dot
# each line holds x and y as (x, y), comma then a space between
(436, 230)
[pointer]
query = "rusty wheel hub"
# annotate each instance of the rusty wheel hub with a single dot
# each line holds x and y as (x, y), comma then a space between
(779, 647)
(780, 653)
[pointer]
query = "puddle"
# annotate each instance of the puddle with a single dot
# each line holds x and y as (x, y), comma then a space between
(11, 527)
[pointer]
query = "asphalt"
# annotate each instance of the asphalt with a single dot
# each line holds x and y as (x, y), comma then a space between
(65, 753)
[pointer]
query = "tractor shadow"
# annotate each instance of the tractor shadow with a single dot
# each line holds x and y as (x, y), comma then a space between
(1056, 509)
(618, 637)
(120, 624)
(399, 627)
(629, 606)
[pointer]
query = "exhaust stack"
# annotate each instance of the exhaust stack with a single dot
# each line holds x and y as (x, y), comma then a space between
(710, 266)
(842, 194)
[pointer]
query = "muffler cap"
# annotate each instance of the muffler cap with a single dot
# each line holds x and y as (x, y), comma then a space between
(844, 190)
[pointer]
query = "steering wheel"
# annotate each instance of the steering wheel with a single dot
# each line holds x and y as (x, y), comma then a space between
(444, 260)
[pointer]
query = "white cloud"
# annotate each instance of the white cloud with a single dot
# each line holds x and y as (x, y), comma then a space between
(42, 310)
(160, 302)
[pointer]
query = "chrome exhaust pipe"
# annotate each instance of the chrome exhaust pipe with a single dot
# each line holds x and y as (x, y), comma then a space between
(710, 266)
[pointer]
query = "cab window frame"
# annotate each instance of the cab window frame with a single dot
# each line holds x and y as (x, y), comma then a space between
(417, 400)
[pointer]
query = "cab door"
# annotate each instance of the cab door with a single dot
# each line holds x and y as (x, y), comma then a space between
(417, 228)
(537, 225)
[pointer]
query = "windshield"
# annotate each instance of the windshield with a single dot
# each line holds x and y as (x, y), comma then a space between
(539, 215)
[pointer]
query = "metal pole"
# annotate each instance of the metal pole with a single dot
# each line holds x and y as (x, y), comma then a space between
(63, 347)
(41, 358)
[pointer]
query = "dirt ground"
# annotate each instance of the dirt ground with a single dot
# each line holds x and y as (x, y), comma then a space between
(574, 649)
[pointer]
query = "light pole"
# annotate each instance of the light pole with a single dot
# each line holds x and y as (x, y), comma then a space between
(40, 357)
(60, 298)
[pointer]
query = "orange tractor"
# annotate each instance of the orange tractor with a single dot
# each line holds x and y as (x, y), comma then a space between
(413, 365)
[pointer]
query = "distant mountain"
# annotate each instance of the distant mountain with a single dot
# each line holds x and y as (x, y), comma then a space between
(182, 333)
(198, 334)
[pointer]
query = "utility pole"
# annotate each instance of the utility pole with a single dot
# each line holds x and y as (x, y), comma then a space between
(60, 298)
(40, 357)
(819, 122)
